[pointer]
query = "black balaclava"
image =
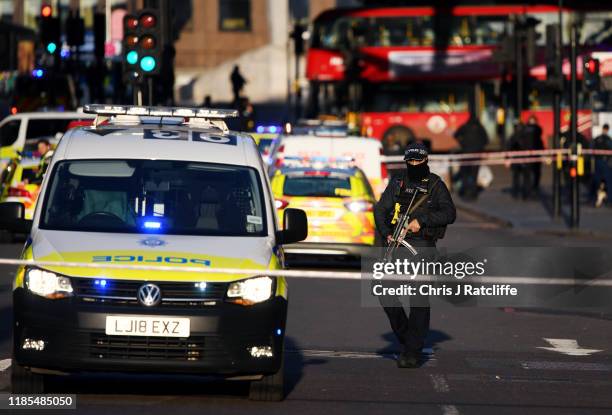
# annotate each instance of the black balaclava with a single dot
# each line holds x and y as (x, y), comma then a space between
(417, 172)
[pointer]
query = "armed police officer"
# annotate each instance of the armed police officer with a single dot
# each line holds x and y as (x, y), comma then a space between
(426, 224)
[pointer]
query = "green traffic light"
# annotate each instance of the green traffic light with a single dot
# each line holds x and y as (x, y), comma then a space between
(51, 48)
(147, 63)
(132, 57)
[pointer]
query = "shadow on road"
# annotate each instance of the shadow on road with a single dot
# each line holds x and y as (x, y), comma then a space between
(295, 363)
(170, 385)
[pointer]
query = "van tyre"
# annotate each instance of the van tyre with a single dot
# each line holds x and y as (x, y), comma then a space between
(23, 381)
(270, 388)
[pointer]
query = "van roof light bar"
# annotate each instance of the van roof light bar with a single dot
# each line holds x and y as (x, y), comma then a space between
(104, 112)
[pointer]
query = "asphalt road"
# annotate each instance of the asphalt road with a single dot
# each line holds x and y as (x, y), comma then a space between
(341, 356)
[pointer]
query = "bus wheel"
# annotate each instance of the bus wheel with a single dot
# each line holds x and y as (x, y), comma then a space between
(396, 139)
(23, 381)
(270, 388)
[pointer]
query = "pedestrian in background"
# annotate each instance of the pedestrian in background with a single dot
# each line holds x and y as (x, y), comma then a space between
(472, 138)
(565, 142)
(522, 174)
(238, 82)
(602, 177)
(535, 130)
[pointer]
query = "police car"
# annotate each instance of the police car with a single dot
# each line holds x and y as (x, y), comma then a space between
(167, 187)
(338, 199)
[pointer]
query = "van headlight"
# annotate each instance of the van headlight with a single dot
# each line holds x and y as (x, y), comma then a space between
(48, 284)
(250, 291)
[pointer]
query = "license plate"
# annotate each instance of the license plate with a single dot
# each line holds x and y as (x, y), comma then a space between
(147, 326)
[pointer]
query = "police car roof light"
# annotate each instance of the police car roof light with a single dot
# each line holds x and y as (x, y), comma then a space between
(319, 162)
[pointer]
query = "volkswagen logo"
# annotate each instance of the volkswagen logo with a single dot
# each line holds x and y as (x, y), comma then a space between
(149, 295)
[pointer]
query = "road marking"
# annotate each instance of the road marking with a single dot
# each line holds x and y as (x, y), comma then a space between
(441, 386)
(428, 353)
(449, 410)
(602, 367)
(5, 364)
(439, 383)
(506, 364)
(569, 347)
(342, 354)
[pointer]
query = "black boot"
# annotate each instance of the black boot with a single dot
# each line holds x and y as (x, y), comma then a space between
(408, 359)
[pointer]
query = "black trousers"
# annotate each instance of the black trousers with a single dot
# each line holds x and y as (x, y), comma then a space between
(469, 182)
(411, 328)
(522, 180)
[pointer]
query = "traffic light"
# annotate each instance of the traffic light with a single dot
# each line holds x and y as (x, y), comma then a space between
(142, 45)
(590, 71)
(298, 39)
(554, 74)
(50, 31)
(75, 30)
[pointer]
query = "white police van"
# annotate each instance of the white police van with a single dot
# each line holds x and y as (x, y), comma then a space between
(161, 187)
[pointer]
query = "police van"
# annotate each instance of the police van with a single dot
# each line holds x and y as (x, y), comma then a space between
(165, 188)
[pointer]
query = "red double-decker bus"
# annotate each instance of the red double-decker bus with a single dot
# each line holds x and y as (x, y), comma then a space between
(419, 69)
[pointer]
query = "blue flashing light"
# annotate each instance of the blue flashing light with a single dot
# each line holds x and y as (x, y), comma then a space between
(279, 332)
(147, 63)
(273, 129)
(132, 57)
(65, 53)
(51, 47)
(201, 285)
(100, 283)
(38, 73)
(149, 224)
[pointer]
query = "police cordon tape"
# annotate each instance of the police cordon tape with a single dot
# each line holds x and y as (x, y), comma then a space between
(501, 157)
(329, 275)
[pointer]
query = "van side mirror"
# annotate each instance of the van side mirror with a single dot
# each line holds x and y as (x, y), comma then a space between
(12, 218)
(295, 227)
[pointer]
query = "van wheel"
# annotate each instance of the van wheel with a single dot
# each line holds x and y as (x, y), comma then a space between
(23, 381)
(270, 388)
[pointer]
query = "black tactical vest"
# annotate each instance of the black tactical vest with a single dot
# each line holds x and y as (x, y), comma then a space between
(404, 192)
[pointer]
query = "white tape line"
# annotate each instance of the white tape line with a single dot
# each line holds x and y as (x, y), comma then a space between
(333, 275)
(500, 155)
(5, 364)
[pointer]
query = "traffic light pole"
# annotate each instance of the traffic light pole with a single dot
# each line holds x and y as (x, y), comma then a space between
(575, 207)
(518, 48)
(558, 91)
(150, 90)
(556, 145)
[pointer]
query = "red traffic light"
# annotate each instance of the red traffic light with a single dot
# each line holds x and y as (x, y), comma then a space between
(148, 42)
(130, 22)
(46, 10)
(148, 21)
(591, 66)
(131, 40)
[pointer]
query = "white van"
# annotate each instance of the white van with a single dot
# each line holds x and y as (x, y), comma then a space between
(16, 131)
(175, 191)
(366, 152)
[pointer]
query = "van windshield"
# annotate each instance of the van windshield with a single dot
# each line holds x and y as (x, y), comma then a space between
(170, 197)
